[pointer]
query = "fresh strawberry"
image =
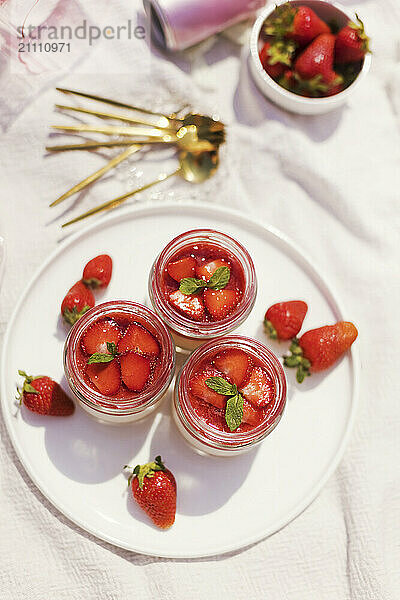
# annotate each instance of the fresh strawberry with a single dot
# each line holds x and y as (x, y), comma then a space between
(277, 57)
(352, 43)
(189, 305)
(185, 267)
(200, 389)
(284, 320)
(298, 23)
(206, 270)
(260, 388)
(220, 303)
(44, 396)
(318, 349)
(135, 371)
(97, 272)
(234, 364)
(251, 415)
(77, 301)
(315, 64)
(154, 489)
(97, 335)
(138, 339)
(105, 376)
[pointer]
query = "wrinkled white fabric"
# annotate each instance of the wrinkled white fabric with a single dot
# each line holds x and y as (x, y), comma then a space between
(332, 184)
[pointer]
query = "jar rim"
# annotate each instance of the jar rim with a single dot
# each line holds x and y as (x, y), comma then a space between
(182, 325)
(136, 402)
(210, 436)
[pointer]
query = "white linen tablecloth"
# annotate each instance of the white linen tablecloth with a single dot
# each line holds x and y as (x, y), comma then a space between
(332, 184)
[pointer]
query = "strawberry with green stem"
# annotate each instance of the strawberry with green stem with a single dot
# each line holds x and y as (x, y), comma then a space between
(352, 43)
(277, 56)
(298, 23)
(284, 320)
(44, 396)
(314, 69)
(154, 489)
(319, 349)
(78, 300)
(97, 272)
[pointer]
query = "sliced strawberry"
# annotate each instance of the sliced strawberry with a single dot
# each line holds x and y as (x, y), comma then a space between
(260, 388)
(135, 371)
(220, 303)
(105, 376)
(252, 416)
(234, 363)
(185, 267)
(190, 306)
(138, 339)
(201, 390)
(206, 270)
(97, 335)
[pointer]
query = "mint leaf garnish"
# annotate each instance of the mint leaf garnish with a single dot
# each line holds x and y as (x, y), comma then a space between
(219, 279)
(190, 285)
(234, 411)
(234, 404)
(221, 386)
(99, 357)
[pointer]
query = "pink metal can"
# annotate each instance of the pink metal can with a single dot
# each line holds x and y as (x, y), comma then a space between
(178, 24)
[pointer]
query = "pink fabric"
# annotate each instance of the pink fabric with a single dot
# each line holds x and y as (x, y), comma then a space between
(24, 74)
(189, 21)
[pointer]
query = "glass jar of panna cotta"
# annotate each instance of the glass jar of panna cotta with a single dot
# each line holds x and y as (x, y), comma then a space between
(208, 313)
(200, 412)
(132, 384)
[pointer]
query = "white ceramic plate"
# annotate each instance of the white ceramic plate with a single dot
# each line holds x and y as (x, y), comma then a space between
(223, 504)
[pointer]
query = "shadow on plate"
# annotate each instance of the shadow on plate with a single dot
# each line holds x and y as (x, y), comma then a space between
(86, 450)
(205, 482)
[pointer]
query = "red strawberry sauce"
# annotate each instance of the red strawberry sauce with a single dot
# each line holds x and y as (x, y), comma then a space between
(200, 412)
(222, 301)
(133, 383)
(122, 321)
(215, 417)
(204, 253)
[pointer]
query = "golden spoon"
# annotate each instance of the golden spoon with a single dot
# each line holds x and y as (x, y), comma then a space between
(106, 115)
(194, 168)
(161, 120)
(188, 142)
(114, 130)
(89, 145)
(187, 137)
(98, 174)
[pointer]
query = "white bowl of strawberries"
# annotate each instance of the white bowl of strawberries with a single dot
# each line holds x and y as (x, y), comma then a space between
(308, 56)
